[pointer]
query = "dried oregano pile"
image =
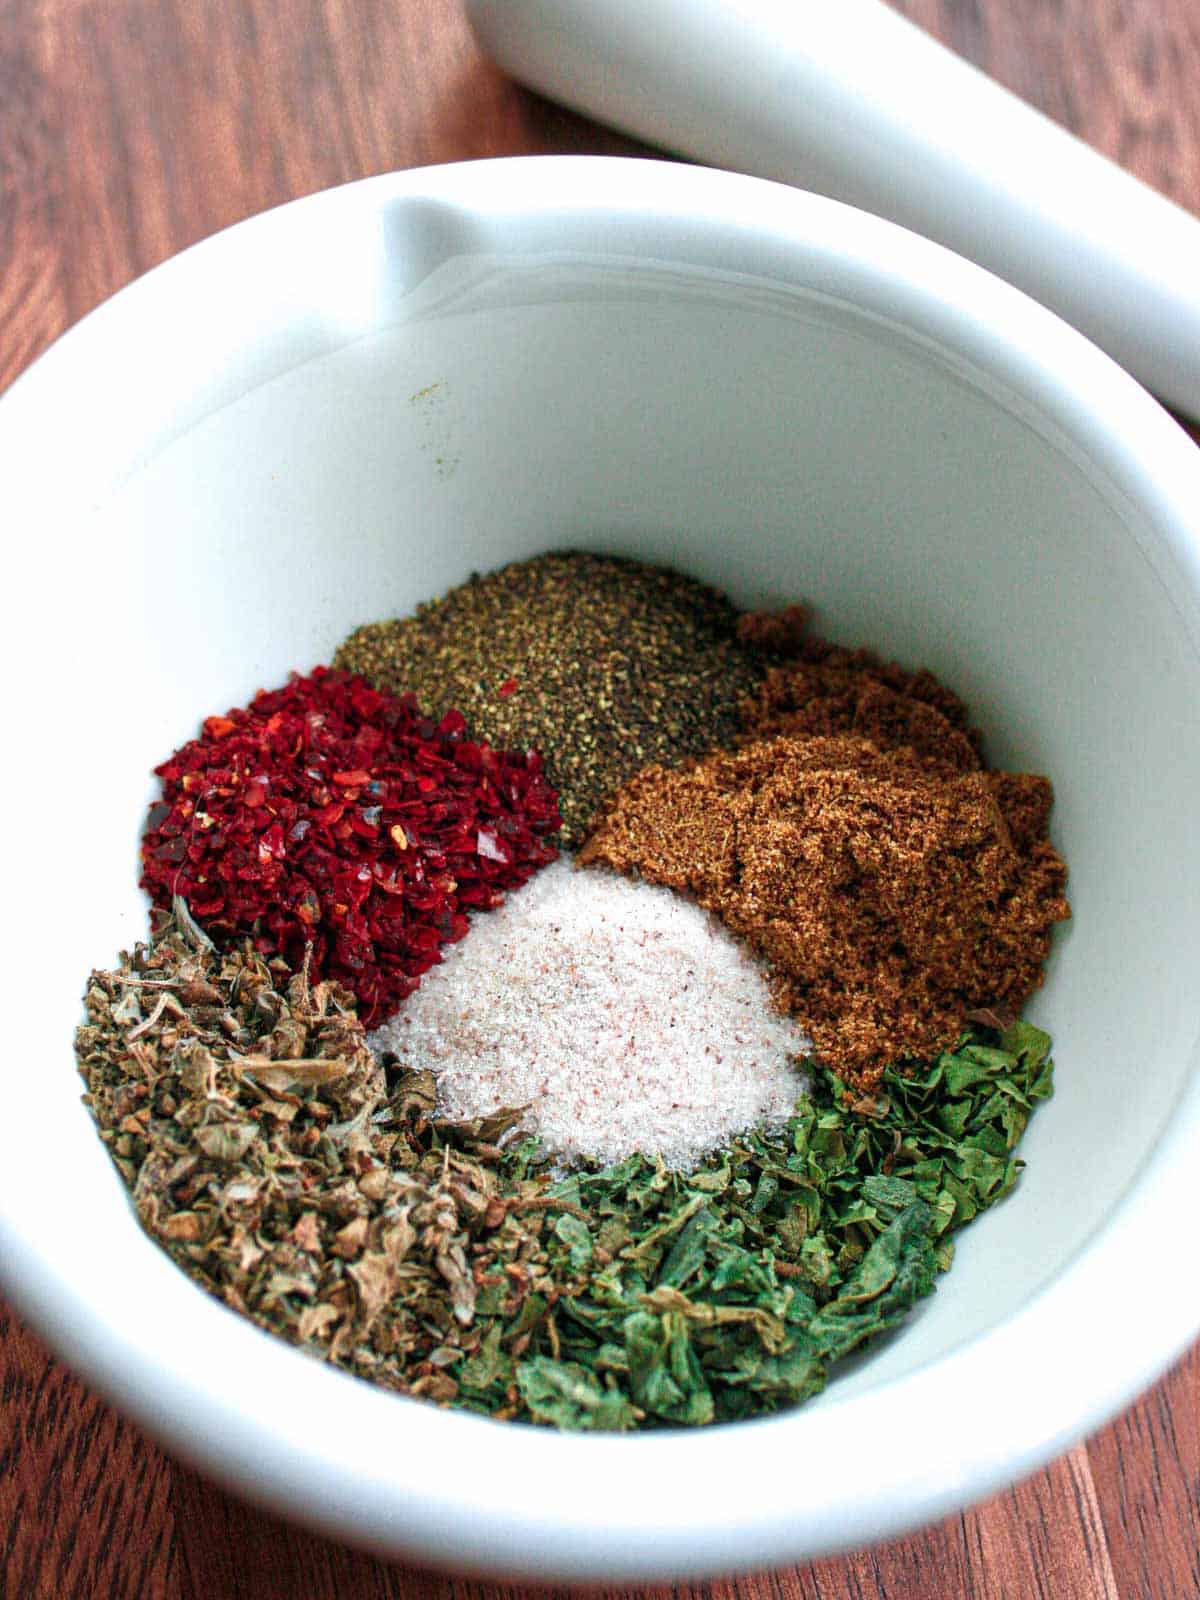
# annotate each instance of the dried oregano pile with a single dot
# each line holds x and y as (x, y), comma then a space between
(291, 1174)
(659, 1204)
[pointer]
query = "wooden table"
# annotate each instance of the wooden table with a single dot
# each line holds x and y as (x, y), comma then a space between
(130, 128)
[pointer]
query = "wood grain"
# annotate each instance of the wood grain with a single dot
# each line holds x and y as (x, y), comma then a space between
(85, 1498)
(1147, 1474)
(131, 128)
(32, 308)
(1121, 75)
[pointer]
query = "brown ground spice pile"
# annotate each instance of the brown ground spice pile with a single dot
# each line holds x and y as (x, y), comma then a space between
(856, 841)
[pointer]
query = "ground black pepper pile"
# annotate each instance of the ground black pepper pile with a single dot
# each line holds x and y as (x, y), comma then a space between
(604, 665)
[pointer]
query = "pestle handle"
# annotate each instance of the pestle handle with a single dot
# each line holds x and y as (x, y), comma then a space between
(847, 98)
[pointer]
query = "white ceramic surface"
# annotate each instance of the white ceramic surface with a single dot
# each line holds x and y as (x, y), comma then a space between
(858, 103)
(342, 407)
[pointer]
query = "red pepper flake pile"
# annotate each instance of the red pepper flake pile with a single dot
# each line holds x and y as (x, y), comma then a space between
(330, 817)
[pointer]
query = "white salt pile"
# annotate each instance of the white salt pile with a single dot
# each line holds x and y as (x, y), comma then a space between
(625, 1017)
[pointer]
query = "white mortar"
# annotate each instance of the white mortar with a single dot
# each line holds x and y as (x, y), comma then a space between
(343, 407)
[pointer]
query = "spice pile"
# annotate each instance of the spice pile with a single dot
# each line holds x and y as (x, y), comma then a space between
(583, 1169)
(626, 1019)
(602, 665)
(340, 825)
(856, 842)
(282, 1169)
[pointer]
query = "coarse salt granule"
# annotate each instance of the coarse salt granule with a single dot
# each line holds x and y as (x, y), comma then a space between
(625, 1017)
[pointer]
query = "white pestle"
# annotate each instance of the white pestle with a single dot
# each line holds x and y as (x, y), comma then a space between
(847, 98)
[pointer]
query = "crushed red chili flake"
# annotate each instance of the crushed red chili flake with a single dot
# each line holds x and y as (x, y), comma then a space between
(330, 817)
